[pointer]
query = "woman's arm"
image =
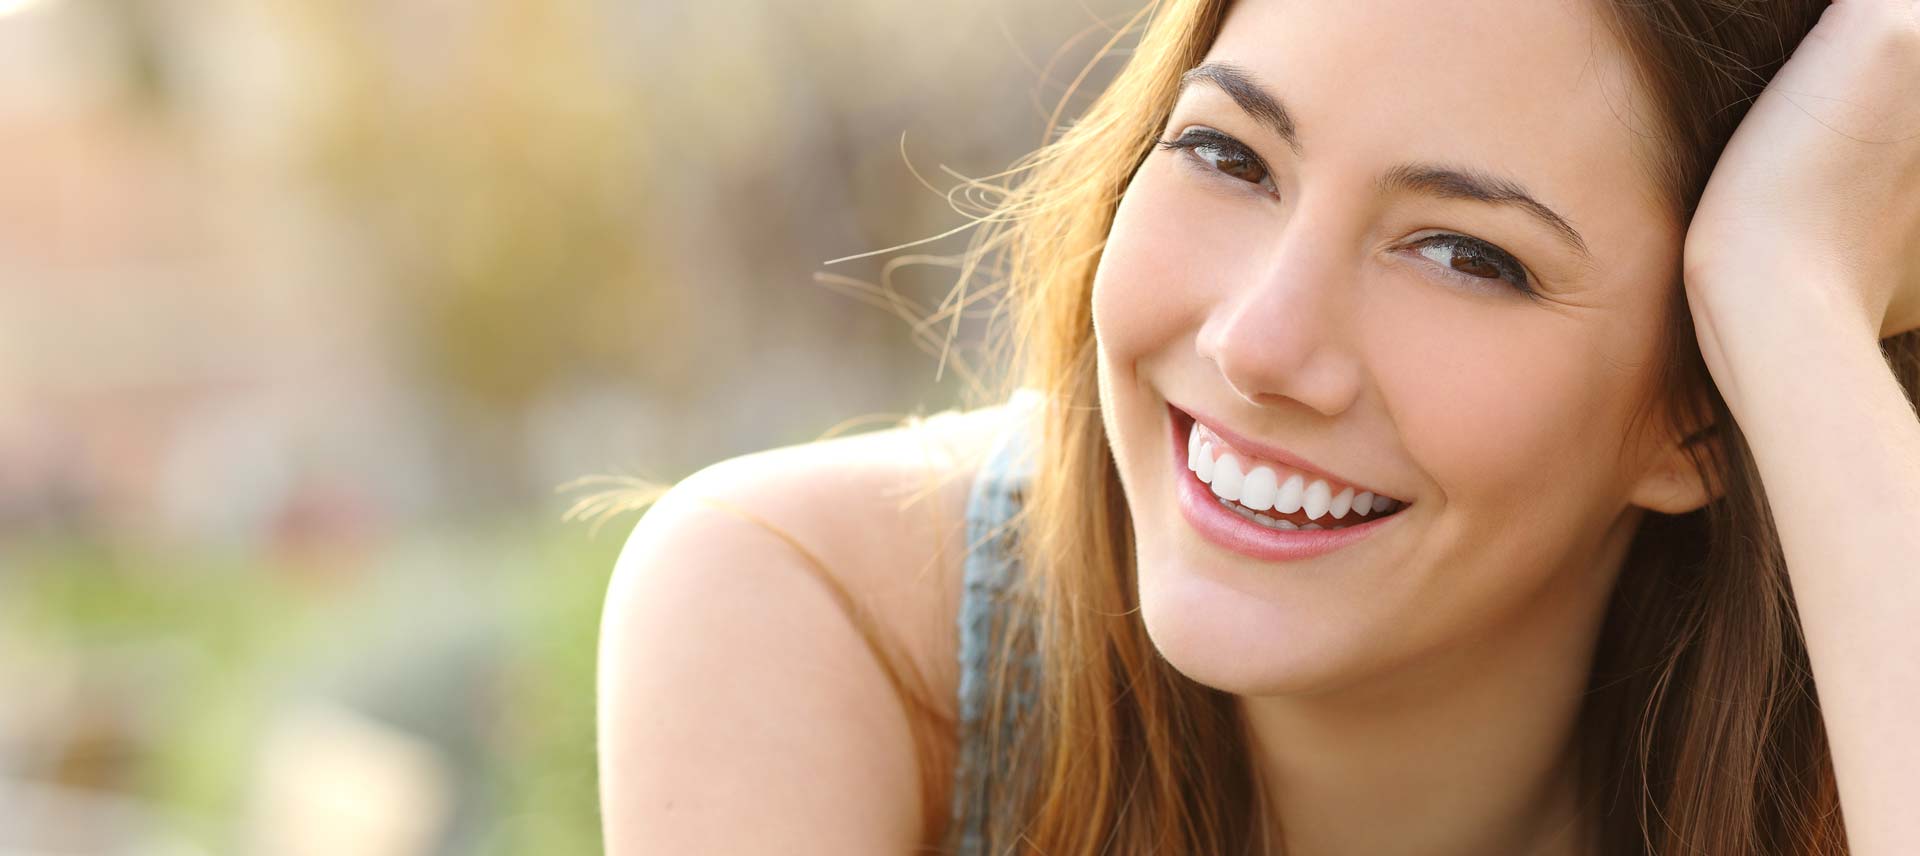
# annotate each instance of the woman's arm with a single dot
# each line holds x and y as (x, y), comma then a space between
(1838, 449)
(1803, 253)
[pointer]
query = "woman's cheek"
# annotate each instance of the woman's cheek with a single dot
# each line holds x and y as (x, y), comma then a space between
(1487, 400)
(1165, 253)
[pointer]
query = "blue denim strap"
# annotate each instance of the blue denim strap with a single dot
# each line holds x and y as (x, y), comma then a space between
(991, 569)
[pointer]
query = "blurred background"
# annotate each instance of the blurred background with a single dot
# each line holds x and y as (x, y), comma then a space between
(312, 312)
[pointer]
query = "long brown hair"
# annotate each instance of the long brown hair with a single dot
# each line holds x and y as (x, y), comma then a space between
(1701, 731)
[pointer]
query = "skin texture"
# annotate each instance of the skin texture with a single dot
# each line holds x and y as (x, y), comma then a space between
(1805, 250)
(1815, 191)
(1413, 693)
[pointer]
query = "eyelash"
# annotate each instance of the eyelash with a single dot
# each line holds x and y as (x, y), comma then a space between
(1512, 272)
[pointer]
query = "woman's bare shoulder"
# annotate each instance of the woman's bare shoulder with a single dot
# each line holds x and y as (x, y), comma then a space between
(712, 622)
(885, 512)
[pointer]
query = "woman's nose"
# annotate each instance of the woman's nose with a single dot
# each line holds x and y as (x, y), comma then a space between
(1286, 331)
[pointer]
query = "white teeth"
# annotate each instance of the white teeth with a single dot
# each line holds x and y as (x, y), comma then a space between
(1256, 492)
(1318, 497)
(1282, 524)
(1226, 477)
(1255, 486)
(1310, 526)
(1287, 499)
(1269, 522)
(1363, 503)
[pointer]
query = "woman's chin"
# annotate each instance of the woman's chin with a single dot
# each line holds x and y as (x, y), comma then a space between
(1235, 642)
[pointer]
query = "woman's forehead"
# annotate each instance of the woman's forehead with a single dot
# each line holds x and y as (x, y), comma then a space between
(1510, 47)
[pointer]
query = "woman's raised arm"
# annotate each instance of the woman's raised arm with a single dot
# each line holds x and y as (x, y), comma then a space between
(1804, 252)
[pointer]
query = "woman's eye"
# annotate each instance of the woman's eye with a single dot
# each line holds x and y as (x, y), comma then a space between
(1464, 257)
(1475, 259)
(1223, 154)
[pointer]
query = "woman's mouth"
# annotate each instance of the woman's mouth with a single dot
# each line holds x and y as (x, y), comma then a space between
(1263, 508)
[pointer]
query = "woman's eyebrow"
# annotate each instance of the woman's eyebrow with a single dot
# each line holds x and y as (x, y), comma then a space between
(1240, 86)
(1446, 182)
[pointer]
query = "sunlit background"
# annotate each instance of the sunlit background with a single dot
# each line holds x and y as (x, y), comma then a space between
(312, 310)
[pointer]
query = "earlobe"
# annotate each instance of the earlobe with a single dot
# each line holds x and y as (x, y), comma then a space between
(1672, 484)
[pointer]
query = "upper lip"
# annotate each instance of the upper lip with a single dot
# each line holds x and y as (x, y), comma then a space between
(1246, 445)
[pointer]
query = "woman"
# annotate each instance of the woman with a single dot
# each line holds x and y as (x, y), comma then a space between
(1608, 405)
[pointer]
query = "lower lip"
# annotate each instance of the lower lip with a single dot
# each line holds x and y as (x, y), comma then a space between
(1216, 523)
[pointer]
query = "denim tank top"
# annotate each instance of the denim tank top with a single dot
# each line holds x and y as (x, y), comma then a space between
(991, 569)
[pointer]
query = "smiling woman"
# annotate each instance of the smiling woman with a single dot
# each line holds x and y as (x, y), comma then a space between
(1379, 496)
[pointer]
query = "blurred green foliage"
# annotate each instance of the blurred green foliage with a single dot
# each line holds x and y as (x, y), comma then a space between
(214, 644)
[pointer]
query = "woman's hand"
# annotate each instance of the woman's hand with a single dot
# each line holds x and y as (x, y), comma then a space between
(1819, 188)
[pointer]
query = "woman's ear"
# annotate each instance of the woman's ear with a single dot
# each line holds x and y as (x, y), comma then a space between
(1671, 484)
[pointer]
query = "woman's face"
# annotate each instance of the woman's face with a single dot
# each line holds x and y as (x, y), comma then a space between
(1344, 297)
